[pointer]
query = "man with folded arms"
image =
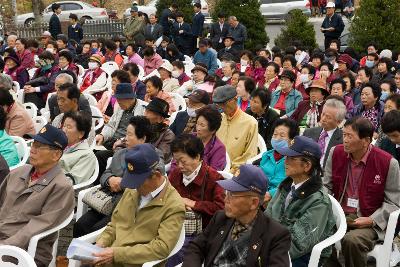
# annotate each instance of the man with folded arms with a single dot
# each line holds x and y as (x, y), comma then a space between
(241, 235)
(148, 219)
(37, 196)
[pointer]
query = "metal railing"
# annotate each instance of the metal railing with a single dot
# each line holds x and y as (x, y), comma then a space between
(106, 28)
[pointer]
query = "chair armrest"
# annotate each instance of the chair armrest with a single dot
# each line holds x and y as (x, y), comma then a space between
(91, 237)
(251, 160)
(82, 207)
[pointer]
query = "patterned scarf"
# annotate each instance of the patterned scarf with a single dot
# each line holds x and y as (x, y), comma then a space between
(372, 115)
(312, 114)
(189, 128)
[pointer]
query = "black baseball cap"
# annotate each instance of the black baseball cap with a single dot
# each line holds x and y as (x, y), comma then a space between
(52, 136)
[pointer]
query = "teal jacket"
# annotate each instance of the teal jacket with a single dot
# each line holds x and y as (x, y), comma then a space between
(292, 100)
(8, 149)
(308, 216)
(275, 171)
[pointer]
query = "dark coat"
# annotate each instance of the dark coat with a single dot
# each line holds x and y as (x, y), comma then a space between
(75, 33)
(4, 170)
(157, 31)
(55, 110)
(335, 22)
(163, 53)
(54, 26)
(269, 243)
(302, 109)
(336, 139)
(179, 123)
(216, 33)
(390, 148)
(231, 53)
(183, 40)
(197, 24)
(265, 124)
(165, 14)
(239, 33)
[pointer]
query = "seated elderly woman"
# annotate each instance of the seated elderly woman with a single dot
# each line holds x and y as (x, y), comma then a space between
(338, 87)
(137, 132)
(170, 84)
(7, 147)
(195, 181)
(94, 80)
(200, 80)
(78, 160)
(371, 107)
(300, 203)
(244, 88)
(272, 162)
(154, 89)
(265, 116)
(309, 111)
(14, 69)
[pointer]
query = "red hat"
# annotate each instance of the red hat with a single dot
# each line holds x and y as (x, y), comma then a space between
(346, 59)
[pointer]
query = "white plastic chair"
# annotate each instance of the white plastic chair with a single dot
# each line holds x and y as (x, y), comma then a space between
(35, 239)
(188, 68)
(179, 101)
(187, 59)
(46, 115)
(21, 96)
(81, 70)
(262, 147)
(228, 163)
(39, 122)
(110, 67)
(172, 117)
(141, 72)
(32, 109)
(90, 181)
(219, 63)
(24, 259)
(386, 254)
(167, 167)
(341, 226)
(31, 72)
(22, 149)
(226, 175)
(16, 87)
(97, 117)
(91, 99)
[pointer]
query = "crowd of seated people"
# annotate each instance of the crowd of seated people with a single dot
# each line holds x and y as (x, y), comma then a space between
(245, 165)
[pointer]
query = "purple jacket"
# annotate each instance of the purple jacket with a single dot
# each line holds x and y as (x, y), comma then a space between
(214, 155)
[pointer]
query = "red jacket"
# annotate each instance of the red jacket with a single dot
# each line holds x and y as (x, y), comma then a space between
(26, 59)
(272, 87)
(372, 187)
(213, 194)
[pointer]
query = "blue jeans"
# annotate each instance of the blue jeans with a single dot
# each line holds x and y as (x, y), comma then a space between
(302, 261)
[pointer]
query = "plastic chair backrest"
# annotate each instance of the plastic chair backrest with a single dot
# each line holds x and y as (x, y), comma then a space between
(24, 259)
(110, 67)
(39, 122)
(32, 109)
(97, 118)
(91, 99)
(16, 86)
(22, 149)
(262, 147)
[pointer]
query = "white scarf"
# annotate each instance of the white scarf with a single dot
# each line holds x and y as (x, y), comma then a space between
(187, 179)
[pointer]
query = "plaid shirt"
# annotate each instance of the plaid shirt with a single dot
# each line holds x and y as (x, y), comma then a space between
(213, 194)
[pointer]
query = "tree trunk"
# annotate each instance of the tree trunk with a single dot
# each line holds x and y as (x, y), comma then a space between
(36, 7)
(14, 12)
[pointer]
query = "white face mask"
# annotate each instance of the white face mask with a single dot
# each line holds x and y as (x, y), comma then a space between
(304, 78)
(175, 73)
(92, 65)
(51, 50)
(191, 112)
(243, 62)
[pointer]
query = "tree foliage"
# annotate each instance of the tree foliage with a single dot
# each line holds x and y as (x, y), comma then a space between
(297, 29)
(184, 6)
(376, 21)
(248, 13)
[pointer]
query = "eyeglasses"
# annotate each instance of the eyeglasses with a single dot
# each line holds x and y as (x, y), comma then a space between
(229, 195)
(40, 146)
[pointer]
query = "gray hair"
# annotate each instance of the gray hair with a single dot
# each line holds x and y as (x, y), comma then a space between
(233, 18)
(12, 36)
(339, 105)
(232, 64)
(66, 77)
(5, 81)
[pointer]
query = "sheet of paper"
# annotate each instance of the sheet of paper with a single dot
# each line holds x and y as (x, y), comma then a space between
(96, 147)
(82, 251)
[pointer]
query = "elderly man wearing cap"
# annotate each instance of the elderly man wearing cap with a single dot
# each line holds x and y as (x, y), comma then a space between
(94, 80)
(238, 131)
(54, 23)
(300, 203)
(229, 51)
(36, 196)
(308, 112)
(146, 223)
(241, 235)
(170, 85)
(206, 57)
(332, 26)
(157, 113)
(134, 26)
(185, 121)
(45, 38)
(198, 81)
(285, 98)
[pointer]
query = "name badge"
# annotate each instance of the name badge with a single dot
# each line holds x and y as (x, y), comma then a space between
(352, 203)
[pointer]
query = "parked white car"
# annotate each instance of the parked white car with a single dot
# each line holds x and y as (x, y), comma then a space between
(81, 9)
(279, 9)
(151, 8)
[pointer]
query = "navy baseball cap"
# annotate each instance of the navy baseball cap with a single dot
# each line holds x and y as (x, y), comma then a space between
(124, 91)
(52, 136)
(140, 161)
(301, 146)
(247, 178)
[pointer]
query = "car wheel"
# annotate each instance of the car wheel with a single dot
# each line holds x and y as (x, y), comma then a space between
(84, 18)
(29, 22)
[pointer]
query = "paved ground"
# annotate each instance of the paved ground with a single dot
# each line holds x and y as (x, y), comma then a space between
(274, 28)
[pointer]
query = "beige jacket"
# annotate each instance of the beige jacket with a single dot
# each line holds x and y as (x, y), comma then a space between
(19, 122)
(26, 210)
(148, 234)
